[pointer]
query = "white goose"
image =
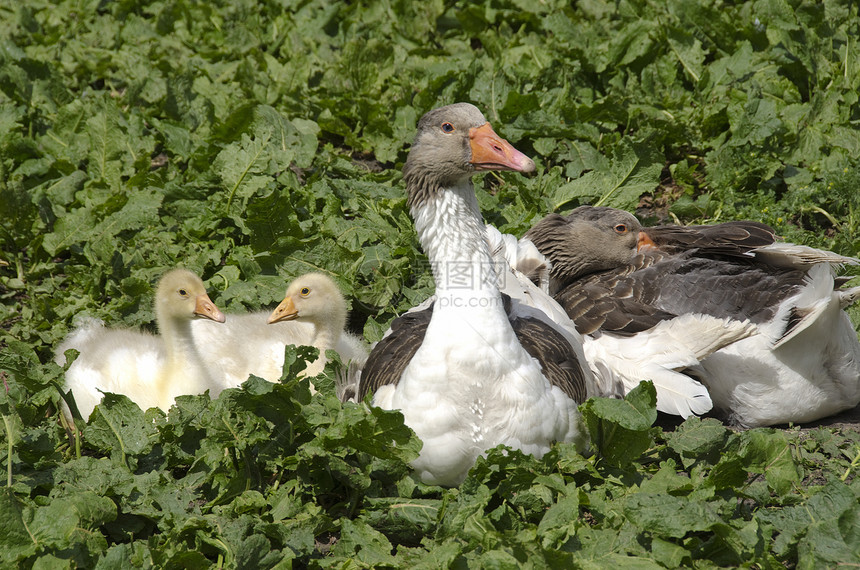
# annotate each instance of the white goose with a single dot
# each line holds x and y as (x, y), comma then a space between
(253, 343)
(804, 363)
(151, 370)
(477, 369)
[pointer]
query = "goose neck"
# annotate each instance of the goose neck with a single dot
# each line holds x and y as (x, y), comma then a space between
(177, 338)
(325, 337)
(451, 231)
(182, 355)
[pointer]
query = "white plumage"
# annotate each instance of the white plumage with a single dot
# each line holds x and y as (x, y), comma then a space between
(313, 313)
(663, 354)
(794, 370)
(151, 370)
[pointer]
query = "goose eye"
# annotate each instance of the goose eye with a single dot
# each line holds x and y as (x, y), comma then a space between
(305, 291)
(447, 128)
(183, 292)
(621, 228)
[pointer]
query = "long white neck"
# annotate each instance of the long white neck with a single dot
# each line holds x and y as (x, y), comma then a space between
(451, 231)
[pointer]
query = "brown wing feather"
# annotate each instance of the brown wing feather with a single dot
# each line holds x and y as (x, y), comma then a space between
(616, 300)
(727, 239)
(657, 285)
(558, 361)
(391, 355)
(740, 289)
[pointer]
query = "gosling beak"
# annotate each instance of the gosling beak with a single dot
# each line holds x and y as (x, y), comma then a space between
(492, 152)
(645, 242)
(286, 311)
(205, 308)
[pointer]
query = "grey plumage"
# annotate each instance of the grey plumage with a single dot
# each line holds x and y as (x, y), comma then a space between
(605, 284)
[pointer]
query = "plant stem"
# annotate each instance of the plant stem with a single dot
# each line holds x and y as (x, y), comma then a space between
(854, 463)
(826, 214)
(9, 446)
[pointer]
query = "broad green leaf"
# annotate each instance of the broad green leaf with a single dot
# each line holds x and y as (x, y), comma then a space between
(119, 427)
(362, 542)
(244, 166)
(668, 553)
(560, 521)
(106, 147)
(768, 452)
(698, 439)
(291, 141)
(123, 555)
(669, 515)
(17, 540)
(689, 52)
(635, 412)
(402, 518)
(825, 507)
(69, 229)
(619, 428)
(633, 171)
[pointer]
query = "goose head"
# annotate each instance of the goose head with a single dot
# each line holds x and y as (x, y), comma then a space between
(182, 296)
(587, 240)
(452, 143)
(315, 298)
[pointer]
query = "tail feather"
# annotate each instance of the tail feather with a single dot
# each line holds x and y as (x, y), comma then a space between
(676, 343)
(677, 393)
(848, 297)
(797, 313)
(662, 352)
(800, 256)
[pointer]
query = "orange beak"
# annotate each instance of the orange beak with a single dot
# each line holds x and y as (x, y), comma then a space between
(205, 308)
(286, 311)
(492, 152)
(645, 242)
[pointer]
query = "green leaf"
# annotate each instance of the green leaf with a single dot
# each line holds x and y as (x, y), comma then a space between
(633, 171)
(560, 521)
(699, 439)
(619, 428)
(17, 540)
(118, 427)
(244, 166)
(768, 452)
(292, 141)
(823, 509)
(358, 540)
(669, 515)
(106, 146)
(668, 553)
(688, 50)
(831, 542)
(402, 519)
(636, 411)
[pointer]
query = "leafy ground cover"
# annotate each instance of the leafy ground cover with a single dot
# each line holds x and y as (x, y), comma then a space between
(252, 141)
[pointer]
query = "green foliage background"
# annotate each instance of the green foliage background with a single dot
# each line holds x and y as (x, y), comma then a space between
(253, 141)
